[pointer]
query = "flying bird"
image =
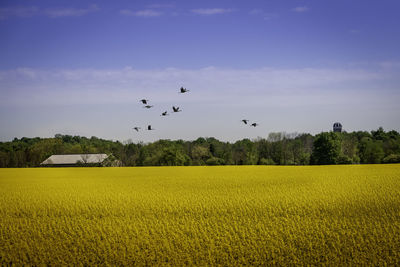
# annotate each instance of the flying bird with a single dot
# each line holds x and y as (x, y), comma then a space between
(183, 90)
(165, 113)
(148, 106)
(149, 128)
(144, 101)
(254, 124)
(176, 109)
(136, 129)
(245, 121)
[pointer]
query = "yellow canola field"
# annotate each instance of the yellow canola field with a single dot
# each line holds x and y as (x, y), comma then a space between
(231, 215)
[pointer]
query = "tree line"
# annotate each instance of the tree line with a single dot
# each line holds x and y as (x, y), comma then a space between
(277, 149)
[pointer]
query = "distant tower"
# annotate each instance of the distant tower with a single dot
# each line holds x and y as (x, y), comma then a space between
(337, 127)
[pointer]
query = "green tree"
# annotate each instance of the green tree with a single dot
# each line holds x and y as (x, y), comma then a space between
(371, 151)
(326, 149)
(172, 156)
(200, 154)
(392, 158)
(245, 152)
(264, 161)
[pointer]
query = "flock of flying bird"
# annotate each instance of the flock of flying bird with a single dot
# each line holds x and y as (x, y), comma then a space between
(182, 90)
(253, 124)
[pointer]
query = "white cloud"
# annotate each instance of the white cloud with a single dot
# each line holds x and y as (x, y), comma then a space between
(390, 64)
(256, 11)
(127, 12)
(141, 13)
(263, 14)
(301, 9)
(211, 11)
(25, 12)
(125, 85)
(106, 102)
(18, 11)
(354, 31)
(160, 6)
(69, 12)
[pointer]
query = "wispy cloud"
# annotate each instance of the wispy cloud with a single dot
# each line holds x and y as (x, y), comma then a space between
(304, 100)
(256, 11)
(146, 13)
(57, 12)
(263, 14)
(354, 31)
(69, 12)
(18, 11)
(301, 9)
(390, 64)
(160, 6)
(211, 11)
(261, 83)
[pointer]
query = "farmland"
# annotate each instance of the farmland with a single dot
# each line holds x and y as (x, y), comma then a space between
(227, 215)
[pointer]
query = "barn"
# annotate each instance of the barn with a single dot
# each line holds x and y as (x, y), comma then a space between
(74, 160)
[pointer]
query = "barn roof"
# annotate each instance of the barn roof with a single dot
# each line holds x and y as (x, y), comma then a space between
(74, 158)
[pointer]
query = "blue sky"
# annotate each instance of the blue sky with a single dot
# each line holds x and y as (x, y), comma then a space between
(80, 67)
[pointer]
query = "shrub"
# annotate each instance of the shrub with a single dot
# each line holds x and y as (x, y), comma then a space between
(213, 161)
(392, 158)
(265, 161)
(343, 159)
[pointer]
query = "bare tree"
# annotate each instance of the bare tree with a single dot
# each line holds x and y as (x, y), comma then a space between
(85, 158)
